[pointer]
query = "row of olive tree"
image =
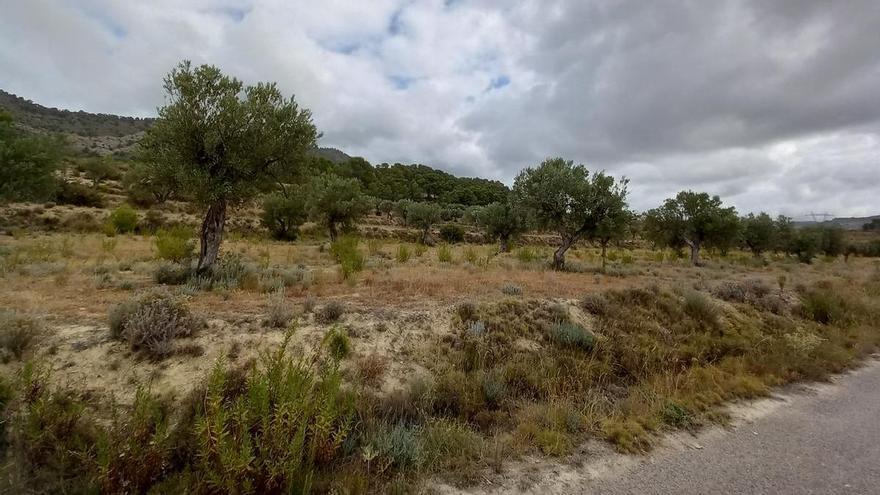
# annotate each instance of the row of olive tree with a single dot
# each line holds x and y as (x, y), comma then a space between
(224, 144)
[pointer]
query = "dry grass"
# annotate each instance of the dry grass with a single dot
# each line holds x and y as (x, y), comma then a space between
(455, 372)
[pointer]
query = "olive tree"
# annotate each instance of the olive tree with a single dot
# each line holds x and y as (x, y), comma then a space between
(282, 215)
(616, 226)
(568, 200)
(27, 164)
(423, 216)
(696, 220)
(336, 202)
(759, 233)
(502, 222)
(225, 142)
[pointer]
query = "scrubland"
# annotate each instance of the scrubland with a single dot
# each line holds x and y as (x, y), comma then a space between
(376, 364)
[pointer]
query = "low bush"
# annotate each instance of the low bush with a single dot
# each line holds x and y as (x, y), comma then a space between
(169, 273)
(401, 445)
(511, 290)
(151, 323)
(702, 309)
(280, 425)
(330, 312)
(571, 335)
(337, 343)
(175, 244)
(371, 370)
(452, 233)
(18, 334)
(76, 194)
(279, 312)
(123, 219)
(825, 307)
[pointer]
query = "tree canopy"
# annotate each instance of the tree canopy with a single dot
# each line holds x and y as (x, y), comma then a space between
(502, 222)
(336, 202)
(568, 200)
(225, 142)
(27, 164)
(695, 220)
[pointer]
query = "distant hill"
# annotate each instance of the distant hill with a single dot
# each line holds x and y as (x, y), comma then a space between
(39, 118)
(332, 154)
(846, 223)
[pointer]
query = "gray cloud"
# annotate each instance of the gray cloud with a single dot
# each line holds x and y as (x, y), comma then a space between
(773, 105)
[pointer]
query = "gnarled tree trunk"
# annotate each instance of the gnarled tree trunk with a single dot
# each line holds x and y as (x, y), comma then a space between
(559, 254)
(212, 235)
(503, 244)
(604, 254)
(695, 252)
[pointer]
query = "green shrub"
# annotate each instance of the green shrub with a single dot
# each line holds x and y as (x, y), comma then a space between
(168, 273)
(452, 233)
(567, 334)
(123, 219)
(152, 322)
(272, 430)
(401, 445)
(825, 307)
(676, 415)
(51, 437)
(76, 194)
(338, 344)
(283, 215)
(702, 309)
(18, 334)
(350, 259)
(175, 244)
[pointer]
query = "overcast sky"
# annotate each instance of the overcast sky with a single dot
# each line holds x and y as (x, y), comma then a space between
(772, 104)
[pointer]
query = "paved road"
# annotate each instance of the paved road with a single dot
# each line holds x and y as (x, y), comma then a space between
(825, 442)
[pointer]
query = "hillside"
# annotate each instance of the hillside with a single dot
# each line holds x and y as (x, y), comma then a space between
(846, 223)
(37, 117)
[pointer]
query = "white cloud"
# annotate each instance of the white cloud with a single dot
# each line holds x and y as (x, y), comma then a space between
(772, 105)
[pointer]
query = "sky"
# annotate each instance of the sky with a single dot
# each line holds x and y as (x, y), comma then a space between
(773, 105)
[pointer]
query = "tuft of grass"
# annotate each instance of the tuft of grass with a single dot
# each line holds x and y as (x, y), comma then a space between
(627, 435)
(401, 445)
(403, 253)
(371, 369)
(702, 309)
(526, 254)
(444, 254)
(511, 289)
(279, 312)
